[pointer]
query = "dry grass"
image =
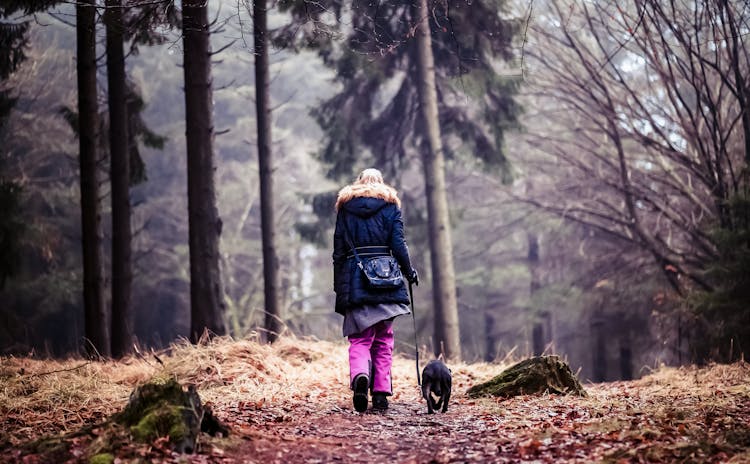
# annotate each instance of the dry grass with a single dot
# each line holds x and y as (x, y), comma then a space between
(39, 397)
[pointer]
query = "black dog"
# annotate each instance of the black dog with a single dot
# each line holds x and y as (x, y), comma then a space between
(436, 379)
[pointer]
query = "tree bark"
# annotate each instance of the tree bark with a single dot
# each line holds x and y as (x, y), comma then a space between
(119, 175)
(206, 293)
(626, 359)
(599, 347)
(490, 339)
(441, 249)
(273, 319)
(538, 340)
(95, 312)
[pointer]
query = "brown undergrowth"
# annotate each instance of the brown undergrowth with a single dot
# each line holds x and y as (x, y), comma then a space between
(289, 402)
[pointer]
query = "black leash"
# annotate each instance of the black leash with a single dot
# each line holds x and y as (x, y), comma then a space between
(416, 346)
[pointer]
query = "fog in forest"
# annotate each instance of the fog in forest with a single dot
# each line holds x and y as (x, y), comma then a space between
(596, 176)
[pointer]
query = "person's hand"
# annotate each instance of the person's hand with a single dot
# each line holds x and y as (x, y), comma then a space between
(413, 277)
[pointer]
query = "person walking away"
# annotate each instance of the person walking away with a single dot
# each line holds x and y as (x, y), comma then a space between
(368, 218)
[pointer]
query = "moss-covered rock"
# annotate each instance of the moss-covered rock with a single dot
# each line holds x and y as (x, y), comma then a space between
(102, 458)
(535, 375)
(164, 420)
(165, 409)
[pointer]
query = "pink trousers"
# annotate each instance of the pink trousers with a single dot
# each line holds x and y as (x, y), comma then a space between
(373, 347)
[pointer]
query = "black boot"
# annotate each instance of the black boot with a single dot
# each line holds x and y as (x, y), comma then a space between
(379, 401)
(360, 385)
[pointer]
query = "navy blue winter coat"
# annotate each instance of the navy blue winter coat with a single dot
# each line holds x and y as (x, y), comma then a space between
(371, 222)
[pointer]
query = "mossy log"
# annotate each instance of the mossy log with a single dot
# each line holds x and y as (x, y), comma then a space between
(540, 374)
(161, 409)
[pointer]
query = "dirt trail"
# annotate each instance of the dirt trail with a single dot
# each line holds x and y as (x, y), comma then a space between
(404, 433)
(655, 420)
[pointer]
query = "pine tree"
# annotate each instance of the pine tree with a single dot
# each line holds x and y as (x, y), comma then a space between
(206, 292)
(95, 313)
(447, 336)
(378, 50)
(376, 117)
(265, 169)
(722, 316)
(119, 175)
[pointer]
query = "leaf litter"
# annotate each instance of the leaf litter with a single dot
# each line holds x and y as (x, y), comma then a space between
(290, 402)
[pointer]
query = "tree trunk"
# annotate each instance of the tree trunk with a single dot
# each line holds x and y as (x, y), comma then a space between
(599, 347)
(538, 340)
(490, 339)
(626, 359)
(441, 249)
(265, 167)
(119, 175)
(95, 313)
(206, 293)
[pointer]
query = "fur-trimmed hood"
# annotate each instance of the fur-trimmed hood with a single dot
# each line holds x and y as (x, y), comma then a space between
(370, 190)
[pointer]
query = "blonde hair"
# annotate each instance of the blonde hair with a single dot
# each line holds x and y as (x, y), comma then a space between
(370, 176)
(369, 184)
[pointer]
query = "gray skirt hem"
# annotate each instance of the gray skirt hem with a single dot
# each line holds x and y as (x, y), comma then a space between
(360, 318)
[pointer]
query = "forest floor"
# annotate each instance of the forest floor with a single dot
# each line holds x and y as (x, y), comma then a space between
(290, 403)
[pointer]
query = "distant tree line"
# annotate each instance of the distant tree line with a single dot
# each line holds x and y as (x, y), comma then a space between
(109, 330)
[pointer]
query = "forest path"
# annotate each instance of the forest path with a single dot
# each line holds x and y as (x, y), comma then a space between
(400, 434)
(289, 403)
(681, 418)
(403, 433)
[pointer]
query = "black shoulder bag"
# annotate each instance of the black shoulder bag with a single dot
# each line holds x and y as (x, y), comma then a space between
(381, 271)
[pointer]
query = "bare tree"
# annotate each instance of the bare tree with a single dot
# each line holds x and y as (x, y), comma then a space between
(206, 293)
(640, 137)
(441, 248)
(265, 168)
(119, 174)
(95, 312)
(650, 135)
